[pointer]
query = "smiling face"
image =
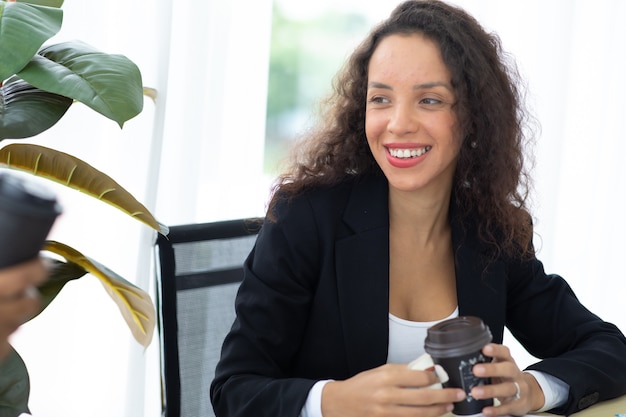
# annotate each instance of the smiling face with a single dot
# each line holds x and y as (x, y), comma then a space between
(410, 124)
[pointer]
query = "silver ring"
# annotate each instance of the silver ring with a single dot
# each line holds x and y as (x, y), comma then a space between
(517, 395)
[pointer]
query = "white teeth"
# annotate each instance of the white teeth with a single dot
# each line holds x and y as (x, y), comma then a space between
(409, 153)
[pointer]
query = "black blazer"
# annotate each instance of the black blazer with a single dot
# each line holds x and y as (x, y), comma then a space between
(314, 305)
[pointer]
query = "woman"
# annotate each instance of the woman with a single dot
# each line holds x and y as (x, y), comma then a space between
(407, 207)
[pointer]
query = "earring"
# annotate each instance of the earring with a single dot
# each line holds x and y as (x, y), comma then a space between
(472, 142)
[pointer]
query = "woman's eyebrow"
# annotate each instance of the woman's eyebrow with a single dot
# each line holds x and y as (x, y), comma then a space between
(432, 85)
(375, 84)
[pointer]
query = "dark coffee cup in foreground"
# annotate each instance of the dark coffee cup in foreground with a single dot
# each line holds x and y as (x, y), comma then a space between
(456, 344)
(27, 212)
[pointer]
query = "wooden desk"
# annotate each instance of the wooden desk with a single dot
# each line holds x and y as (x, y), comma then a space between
(603, 409)
(608, 408)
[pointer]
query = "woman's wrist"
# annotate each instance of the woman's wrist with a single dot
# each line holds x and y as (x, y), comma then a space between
(536, 392)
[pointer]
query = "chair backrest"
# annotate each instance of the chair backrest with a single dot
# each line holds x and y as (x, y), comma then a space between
(199, 270)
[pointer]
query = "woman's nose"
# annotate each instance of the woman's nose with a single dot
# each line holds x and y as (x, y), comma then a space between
(403, 121)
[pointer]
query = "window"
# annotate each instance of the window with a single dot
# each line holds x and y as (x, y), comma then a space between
(309, 44)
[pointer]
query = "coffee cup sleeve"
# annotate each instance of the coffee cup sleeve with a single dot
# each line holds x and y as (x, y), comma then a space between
(425, 363)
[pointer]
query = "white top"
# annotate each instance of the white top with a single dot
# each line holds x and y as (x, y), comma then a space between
(406, 338)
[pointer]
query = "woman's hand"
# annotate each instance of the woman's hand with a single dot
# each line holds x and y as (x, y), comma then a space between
(389, 390)
(19, 298)
(518, 392)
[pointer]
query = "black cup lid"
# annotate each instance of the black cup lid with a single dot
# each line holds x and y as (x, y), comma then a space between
(457, 337)
(27, 197)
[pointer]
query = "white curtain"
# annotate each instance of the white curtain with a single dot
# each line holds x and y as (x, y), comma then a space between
(196, 155)
(573, 57)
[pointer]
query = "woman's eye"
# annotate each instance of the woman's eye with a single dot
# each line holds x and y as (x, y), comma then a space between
(379, 100)
(430, 100)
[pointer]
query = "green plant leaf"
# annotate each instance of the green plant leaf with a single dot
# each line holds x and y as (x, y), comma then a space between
(74, 173)
(134, 303)
(49, 3)
(26, 111)
(14, 386)
(23, 29)
(109, 84)
(60, 274)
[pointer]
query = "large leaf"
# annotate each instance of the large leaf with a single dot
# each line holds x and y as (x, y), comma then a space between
(14, 386)
(60, 274)
(134, 303)
(23, 29)
(26, 111)
(77, 174)
(109, 84)
(49, 3)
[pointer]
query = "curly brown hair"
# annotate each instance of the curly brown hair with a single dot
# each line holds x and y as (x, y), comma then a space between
(491, 180)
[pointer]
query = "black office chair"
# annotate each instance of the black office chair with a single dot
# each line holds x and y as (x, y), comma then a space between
(198, 273)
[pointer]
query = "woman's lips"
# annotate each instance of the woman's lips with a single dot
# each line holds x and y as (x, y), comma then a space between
(405, 156)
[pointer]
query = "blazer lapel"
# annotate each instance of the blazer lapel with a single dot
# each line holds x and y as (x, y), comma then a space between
(479, 282)
(362, 261)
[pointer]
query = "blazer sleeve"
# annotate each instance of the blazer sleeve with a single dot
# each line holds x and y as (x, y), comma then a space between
(254, 375)
(575, 345)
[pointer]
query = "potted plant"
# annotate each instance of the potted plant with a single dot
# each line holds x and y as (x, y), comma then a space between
(38, 84)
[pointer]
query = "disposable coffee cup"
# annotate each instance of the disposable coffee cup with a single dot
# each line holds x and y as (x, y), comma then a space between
(456, 344)
(27, 213)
